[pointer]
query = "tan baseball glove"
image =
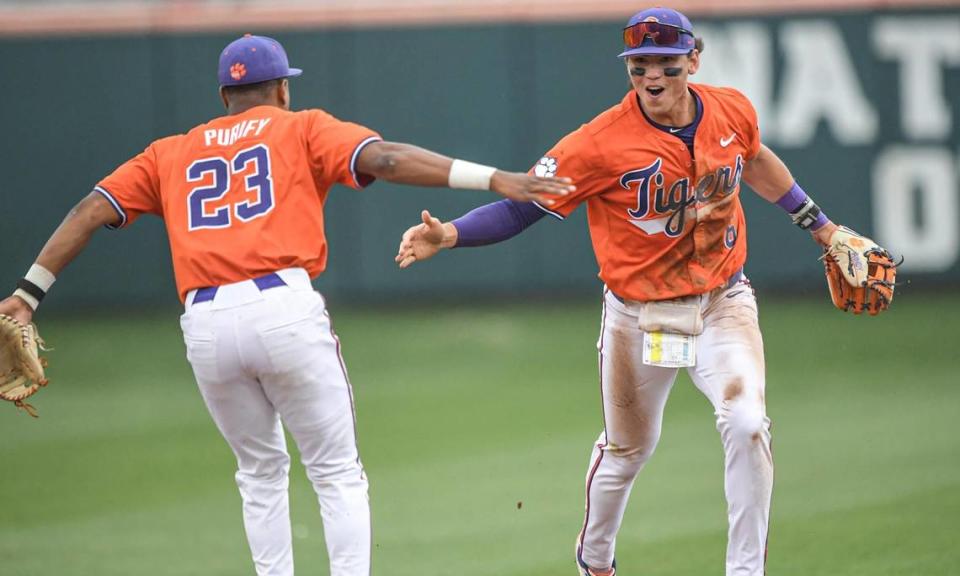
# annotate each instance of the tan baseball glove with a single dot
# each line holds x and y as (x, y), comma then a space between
(860, 274)
(21, 367)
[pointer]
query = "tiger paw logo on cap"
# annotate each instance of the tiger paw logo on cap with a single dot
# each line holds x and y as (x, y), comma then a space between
(238, 71)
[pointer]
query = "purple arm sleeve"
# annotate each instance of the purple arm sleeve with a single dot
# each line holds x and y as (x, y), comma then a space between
(793, 198)
(495, 222)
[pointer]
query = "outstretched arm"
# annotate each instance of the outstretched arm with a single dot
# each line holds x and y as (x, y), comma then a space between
(771, 179)
(407, 164)
(64, 245)
(487, 224)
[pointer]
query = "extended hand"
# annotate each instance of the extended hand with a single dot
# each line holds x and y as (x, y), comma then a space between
(422, 241)
(526, 188)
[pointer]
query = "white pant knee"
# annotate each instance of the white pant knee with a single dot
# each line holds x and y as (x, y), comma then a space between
(742, 423)
(340, 470)
(627, 461)
(269, 474)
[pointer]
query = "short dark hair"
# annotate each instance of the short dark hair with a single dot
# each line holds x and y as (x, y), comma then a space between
(259, 89)
(698, 44)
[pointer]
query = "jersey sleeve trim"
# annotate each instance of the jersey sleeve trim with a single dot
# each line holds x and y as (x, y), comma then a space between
(556, 215)
(116, 206)
(362, 181)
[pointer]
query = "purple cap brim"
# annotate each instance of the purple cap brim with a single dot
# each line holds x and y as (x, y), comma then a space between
(294, 72)
(655, 50)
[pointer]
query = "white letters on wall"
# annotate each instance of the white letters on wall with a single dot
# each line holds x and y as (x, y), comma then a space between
(929, 240)
(925, 111)
(820, 82)
(726, 49)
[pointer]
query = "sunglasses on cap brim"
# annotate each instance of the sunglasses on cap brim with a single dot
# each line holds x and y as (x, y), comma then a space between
(660, 34)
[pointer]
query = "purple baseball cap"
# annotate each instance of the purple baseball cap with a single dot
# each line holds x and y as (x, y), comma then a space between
(684, 43)
(253, 59)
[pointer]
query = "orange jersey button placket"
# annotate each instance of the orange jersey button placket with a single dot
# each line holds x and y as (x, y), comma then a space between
(695, 263)
(701, 246)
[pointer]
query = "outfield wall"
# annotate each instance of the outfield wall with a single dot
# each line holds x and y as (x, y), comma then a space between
(862, 105)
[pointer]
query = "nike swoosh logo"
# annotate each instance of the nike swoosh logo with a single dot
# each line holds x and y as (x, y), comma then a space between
(651, 227)
(724, 142)
(675, 130)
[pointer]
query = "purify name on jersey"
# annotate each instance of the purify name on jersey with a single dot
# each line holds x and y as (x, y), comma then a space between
(227, 136)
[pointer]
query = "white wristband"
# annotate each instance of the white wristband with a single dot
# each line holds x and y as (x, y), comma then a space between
(40, 276)
(469, 176)
(34, 286)
(32, 302)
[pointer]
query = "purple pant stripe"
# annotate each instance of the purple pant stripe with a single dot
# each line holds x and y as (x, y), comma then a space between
(353, 408)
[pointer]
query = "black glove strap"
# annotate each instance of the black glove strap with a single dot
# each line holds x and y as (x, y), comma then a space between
(806, 214)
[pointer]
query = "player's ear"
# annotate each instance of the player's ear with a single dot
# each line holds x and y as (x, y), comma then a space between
(693, 61)
(283, 94)
(223, 98)
(694, 56)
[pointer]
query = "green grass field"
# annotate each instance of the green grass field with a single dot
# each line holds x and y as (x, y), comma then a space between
(475, 428)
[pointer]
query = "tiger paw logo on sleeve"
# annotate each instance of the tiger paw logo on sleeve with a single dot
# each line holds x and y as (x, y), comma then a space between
(546, 167)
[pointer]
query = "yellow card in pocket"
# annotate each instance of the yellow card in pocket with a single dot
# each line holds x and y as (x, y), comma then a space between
(669, 350)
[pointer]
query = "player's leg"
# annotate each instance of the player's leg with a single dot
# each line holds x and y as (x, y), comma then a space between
(307, 382)
(634, 396)
(730, 372)
(252, 428)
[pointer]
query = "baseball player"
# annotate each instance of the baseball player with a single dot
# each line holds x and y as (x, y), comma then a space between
(660, 173)
(242, 199)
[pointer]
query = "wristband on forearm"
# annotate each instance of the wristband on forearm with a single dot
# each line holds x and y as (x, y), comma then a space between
(802, 209)
(469, 176)
(35, 285)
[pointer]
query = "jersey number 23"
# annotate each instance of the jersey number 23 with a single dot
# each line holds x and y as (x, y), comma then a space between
(257, 179)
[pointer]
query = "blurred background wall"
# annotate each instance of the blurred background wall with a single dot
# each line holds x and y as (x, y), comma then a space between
(860, 98)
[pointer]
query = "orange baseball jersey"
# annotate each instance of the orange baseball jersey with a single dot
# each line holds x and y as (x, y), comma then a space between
(242, 195)
(664, 224)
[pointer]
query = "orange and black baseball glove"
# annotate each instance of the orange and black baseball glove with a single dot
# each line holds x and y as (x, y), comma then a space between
(860, 274)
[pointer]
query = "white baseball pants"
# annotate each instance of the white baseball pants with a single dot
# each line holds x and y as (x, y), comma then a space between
(262, 358)
(730, 373)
